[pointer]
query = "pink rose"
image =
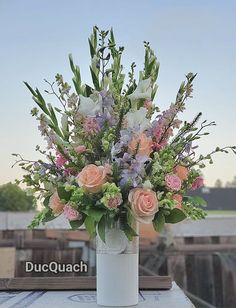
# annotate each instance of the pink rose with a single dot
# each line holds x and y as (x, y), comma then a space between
(71, 213)
(178, 198)
(55, 204)
(142, 144)
(80, 149)
(92, 178)
(173, 182)
(199, 182)
(144, 204)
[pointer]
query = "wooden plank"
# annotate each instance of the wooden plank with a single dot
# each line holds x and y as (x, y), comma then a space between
(76, 283)
(76, 235)
(7, 262)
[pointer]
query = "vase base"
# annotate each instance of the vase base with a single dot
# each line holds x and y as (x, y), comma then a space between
(117, 280)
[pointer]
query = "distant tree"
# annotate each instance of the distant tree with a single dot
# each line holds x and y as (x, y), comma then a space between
(218, 183)
(13, 198)
(232, 183)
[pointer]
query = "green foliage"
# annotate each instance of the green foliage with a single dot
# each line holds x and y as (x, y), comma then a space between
(159, 221)
(13, 198)
(90, 225)
(175, 216)
(42, 217)
(195, 200)
(102, 228)
(129, 231)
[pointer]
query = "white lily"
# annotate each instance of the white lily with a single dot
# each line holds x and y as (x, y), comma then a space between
(137, 119)
(143, 90)
(89, 106)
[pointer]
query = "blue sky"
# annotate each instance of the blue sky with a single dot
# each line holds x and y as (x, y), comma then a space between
(199, 36)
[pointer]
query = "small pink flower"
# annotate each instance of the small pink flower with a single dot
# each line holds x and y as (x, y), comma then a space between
(60, 160)
(70, 171)
(70, 213)
(91, 126)
(199, 182)
(114, 202)
(80, 149)
(173, 182)
(147, 104)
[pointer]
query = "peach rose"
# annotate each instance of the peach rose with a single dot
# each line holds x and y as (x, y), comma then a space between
(178, 198)
(92, 178)
(55, 204)
(181, 172)
(143, 143)
(144, 204)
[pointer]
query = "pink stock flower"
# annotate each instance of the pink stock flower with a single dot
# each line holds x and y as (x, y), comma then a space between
(91, 126)
(60, 160)
(173, 182)
(70, 213)
(198, 183)
(80, 149)
(70, 171)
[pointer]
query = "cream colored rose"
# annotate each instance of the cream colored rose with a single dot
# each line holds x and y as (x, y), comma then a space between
(142, 144)
(92, 178)
(144, 204)
(55, 204)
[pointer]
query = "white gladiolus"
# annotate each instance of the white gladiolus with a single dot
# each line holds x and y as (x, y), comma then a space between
(143, 90)
(89, 106)
(137, 119)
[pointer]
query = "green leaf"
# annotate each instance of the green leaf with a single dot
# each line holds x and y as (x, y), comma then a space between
(46, 201)
(48, 216)
(176, 215)
(159, 221)
(95, 79)
(129, 232)
(92, 50)
(96, 214)
(101, 228)
(75, 224)
(195, 200)
(90, 225)
(52, 115)
(63, 194)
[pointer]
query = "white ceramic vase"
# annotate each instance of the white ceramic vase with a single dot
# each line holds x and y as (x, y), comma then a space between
(117, 263)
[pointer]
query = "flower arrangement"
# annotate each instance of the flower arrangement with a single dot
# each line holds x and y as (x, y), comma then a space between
(113, 153)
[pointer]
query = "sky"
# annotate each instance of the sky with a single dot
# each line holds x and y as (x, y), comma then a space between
(187, 36)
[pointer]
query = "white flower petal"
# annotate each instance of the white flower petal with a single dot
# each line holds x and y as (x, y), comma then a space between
(143, 90)
(138, 118)
(88, 106)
